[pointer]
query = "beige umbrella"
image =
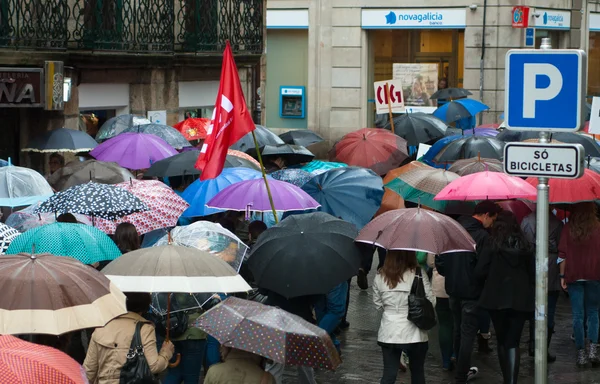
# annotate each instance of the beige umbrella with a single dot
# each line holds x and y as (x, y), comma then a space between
(81, 172)
(53, 295)
(476, 164)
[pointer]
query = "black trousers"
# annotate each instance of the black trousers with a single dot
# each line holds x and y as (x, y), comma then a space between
(508, 325)
(392, 353)
(466, 325)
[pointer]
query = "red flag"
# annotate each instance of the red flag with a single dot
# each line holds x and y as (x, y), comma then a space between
(231, 120)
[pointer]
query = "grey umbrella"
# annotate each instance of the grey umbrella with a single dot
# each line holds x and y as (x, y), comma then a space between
(417, 128)
(169, 134)
(115, 125)
(469, 147)
(450, 93)
(303, 137)
(62, 140)
(293, 154)
(263, 136)
(80, 172)
(183, 164)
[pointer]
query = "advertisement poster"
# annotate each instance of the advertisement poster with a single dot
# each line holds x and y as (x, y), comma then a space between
(419, 82)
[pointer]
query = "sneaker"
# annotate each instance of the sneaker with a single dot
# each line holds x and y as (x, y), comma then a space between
(594, 355)
(473, 372)
(582, 358)
(344, 325)
(361, 279)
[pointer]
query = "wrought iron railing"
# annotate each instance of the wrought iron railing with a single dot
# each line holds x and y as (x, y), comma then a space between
(140, 26)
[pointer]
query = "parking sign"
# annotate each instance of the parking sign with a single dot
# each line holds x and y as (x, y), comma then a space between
(544, 89)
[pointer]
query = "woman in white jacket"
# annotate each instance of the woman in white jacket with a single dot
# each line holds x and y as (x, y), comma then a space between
(391, 288)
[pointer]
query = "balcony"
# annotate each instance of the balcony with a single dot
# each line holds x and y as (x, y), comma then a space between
(132, 26)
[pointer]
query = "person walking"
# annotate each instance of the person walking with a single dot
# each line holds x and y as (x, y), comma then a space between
(580, 275)
(391, 288)
(508, 273)
(444, 316)
(127, 238)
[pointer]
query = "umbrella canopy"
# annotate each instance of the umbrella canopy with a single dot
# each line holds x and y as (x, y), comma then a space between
(487, 186)
(52, 295)
(87, 244)
(391, 200)
(269, 332)
(590, 145)
(62, 140)
(303, 137)
(350, 193)
(81, 172)
(7, 235)
(292, 154)
(242, 156)
(459, 109)
(96, 200)
(194, 128)
(471, 146)
(22, 186)
(27, 218)
(169, 134)
(172, 268)
(373, 148)
(252, 195)
(116, 125)
(416, 229)
(518, 207)
(201, 192)
(209, 237)
(476, 164)
(183, 163)
(417, 128)
(281, 262)
(263, 135)
(3, 163)
(22, 362)
(570, 191)
(134, 150)
(593, 163)
(295, 176)
(450, 93)
(317, 167)
(165, 207)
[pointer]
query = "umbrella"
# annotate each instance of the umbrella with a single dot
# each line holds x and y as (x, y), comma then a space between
(292, 154)
(487, 186)
(81, 172)
(4, 163)
(590, 145)
(7, 235)
(373, 148)
(116, 125)
(201, 191)
(22, 186)
(450, 93)
(418, 128)
(493, 126)
(282, 262)
(269, 332)
(45, 294)
(134, 150)
(165, 207)
(391, 200)
(476, 164)
(79, 241)
(252, 195)
(194, 128)
(295, 176)
(208, 237)
(62, 140)
(263, 135)
(172, 268)
(96, 200)
(27, 218)
(593, 163)
(471, 146)
(459, 109)
(169, 134)
(243, 156)
(570, 191)
(518, 207)
(416, 229)
(22, 362)
(317, 167)
(303, 137)
(350, 193)
(183, 163)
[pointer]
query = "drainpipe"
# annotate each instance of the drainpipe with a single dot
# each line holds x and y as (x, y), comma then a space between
(482, 57)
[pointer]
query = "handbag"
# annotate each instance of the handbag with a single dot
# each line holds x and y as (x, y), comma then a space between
(136, 369)
(420, 310)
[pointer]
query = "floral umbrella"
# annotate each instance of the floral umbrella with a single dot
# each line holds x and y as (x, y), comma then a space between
(193, 128)
(27, 218)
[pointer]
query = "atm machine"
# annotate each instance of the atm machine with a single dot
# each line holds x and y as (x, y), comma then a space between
(292, 102)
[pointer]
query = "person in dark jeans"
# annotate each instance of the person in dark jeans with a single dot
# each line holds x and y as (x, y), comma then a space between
(464, 289)
(367, 262)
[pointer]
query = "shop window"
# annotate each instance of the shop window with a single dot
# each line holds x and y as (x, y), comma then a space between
(553, 35)
(593, 65)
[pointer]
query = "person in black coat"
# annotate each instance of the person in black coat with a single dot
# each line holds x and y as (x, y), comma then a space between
(508, 270)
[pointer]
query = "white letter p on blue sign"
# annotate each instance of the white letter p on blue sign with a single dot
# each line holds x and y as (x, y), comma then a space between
(531, 93)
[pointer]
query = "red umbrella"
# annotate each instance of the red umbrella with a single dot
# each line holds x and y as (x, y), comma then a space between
(518, 207)
(374, 148)
(194, 128)
(569, 191)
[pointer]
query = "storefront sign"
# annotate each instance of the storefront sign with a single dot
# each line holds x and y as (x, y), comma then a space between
(529, 38)
(287, 19)
(21, 87)
(449, 18)
(520, 17)
(594, 22)
(419, 82)
(551, 19)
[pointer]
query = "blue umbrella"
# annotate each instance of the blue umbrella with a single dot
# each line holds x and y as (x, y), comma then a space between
(295, 176)
(436, 148)
(459, 109)
(351, 193)
(201, 191)
(3, 163)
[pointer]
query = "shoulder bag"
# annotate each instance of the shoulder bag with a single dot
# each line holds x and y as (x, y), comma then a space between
(420, 310)
(136, 369)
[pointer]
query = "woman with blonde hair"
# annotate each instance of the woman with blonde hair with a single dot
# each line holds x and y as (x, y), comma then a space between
(239, 367)
(391, 289)
(580, 275)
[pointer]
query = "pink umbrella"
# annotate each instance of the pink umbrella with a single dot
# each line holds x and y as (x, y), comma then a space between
(487, 186)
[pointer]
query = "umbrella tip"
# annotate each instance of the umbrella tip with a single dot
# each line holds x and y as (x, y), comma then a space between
(33, 251)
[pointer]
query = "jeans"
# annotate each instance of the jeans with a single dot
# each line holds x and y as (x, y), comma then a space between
(484, 321)
(445, 330)
(584, 304)
(508, 325)
(192, 357)
(466, 324)
(392, 353)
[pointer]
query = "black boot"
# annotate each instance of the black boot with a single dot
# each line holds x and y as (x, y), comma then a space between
(502, 360)
(483, 344)
(551, 358)
(513, 361)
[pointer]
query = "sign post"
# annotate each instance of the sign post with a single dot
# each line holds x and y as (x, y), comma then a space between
(387, 97)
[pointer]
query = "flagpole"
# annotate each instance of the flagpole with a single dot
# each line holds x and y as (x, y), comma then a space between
(264, 173)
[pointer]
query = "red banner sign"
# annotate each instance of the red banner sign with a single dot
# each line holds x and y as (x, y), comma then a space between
(520, 17)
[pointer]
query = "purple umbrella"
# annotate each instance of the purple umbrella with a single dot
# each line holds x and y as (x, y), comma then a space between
(252, 195)
(486, 132)
(133, 150)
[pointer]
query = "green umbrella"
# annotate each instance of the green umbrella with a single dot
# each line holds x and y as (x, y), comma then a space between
(316, 167)
(82, 242)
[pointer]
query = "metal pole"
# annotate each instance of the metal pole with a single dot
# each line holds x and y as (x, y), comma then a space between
(541, 267)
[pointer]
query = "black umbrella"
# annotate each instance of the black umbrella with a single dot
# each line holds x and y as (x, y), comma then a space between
(471, 146)
(304, 137)
(305, 255)
(591, 147)
(62, 140)
(417, 128)
(263, 136)
(292, 154)
(7, 234)
(450, 93)
(183, 163)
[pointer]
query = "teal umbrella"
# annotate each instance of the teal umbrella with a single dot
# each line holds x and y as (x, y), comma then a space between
(79, 241)
(316, 167)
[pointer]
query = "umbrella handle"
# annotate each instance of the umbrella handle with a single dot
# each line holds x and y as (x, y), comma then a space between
(178, 357)
(176, 362)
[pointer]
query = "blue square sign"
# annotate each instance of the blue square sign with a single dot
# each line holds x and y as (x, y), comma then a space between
(545, 89)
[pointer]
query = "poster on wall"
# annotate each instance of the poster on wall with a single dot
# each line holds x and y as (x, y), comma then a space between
(419, 82)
